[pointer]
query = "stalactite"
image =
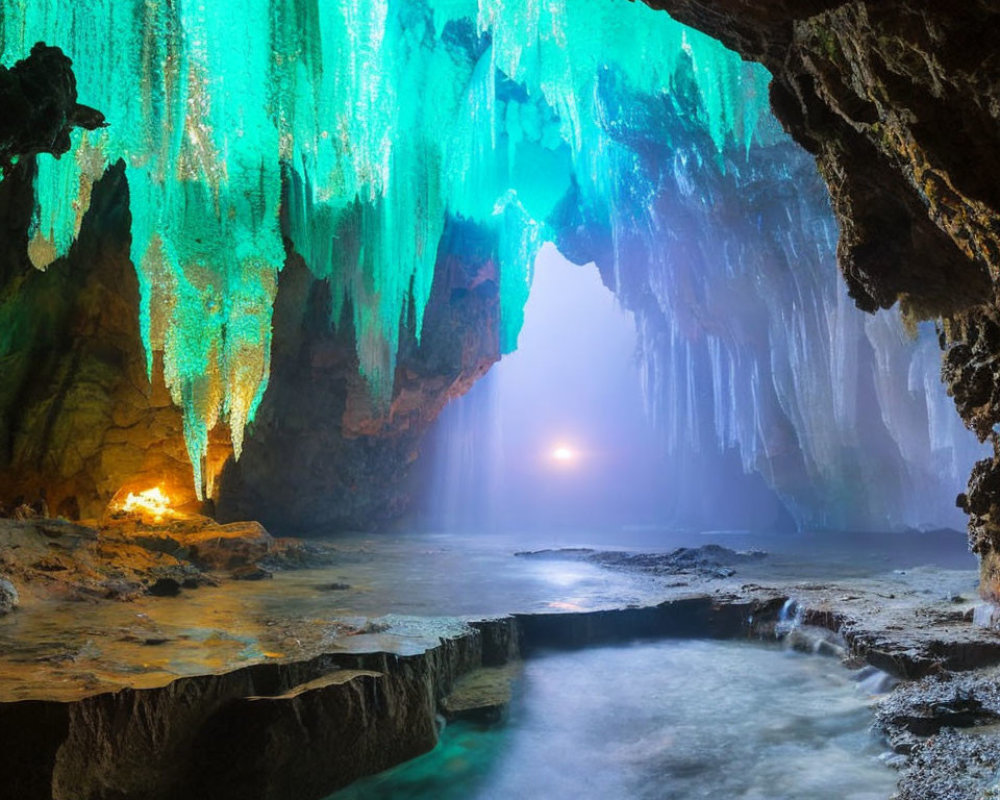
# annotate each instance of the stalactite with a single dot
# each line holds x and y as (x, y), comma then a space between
(385, 116)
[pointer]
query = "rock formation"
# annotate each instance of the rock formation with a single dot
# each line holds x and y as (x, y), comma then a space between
(898, 102)
(38, 95)
(344, 461)
(82, 424)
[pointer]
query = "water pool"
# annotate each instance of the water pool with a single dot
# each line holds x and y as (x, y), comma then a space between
(670, 719)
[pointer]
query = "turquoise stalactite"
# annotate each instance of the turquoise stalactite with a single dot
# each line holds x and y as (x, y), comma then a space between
(383, 117)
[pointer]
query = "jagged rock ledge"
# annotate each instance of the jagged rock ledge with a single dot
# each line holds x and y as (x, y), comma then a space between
(306, 728)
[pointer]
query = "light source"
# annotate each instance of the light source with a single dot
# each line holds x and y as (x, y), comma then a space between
(151, 502)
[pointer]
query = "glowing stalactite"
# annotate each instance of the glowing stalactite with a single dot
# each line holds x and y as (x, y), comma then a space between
(384, 117)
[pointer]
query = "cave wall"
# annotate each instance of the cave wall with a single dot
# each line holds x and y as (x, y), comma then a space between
(80, 421)
(78, 417)
(900, 105)
(897, 102)
(322, 454)
(757, 367)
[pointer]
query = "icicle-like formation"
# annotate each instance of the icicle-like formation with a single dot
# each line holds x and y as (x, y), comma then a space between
(752, 348)
(385, 116)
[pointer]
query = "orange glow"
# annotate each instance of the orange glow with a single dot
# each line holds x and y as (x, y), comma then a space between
(152, 502)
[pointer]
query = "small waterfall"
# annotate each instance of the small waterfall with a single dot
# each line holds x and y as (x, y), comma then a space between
(792, 629)
(796, 634)
(874, 682)
(789, 618)
(467, 458)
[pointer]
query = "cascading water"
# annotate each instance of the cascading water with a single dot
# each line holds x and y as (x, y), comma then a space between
(679, 726)
(468, 458)
(790, 617)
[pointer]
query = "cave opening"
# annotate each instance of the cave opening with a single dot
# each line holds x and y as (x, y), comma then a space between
(558, 442)
(357, 355)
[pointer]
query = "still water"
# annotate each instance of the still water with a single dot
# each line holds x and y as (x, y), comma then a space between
(671, 719)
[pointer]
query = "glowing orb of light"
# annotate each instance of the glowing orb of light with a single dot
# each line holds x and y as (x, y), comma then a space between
(152, 502)
(563, 453)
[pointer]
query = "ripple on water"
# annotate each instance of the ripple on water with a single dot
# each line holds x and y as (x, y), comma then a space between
(672, 719)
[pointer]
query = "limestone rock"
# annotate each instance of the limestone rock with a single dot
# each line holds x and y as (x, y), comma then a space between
(900, 105)
(125, 560)
(38, 95)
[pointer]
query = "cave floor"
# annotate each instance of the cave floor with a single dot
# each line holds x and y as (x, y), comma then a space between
(903, 603)
(908, 599)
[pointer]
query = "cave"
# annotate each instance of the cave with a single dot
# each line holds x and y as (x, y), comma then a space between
(437, 398)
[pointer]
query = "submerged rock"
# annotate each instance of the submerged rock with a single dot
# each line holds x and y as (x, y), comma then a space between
(710, 560)
(483, 695)
(812, 639)
(250, 572)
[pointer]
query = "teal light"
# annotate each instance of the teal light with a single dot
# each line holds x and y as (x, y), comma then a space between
(384, 117)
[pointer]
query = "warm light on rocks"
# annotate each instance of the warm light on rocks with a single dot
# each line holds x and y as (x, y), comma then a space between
(152, 502)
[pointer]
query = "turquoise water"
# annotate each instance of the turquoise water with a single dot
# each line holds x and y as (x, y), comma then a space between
(671, 719)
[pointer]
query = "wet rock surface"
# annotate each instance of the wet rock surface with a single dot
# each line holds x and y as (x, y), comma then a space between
(260, 658)
(953, 766)
(924, 707)
(125, 558)
(948, 728)
(483, 695)
(712, 561)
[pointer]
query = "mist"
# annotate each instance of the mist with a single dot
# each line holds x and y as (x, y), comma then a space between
(557, 436)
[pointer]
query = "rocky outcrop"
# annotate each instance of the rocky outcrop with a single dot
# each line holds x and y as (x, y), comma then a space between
(81, 423)
(973, 378)
(51, 559)
(345, 461)
(38, 96)
(946, 727)
(898, 102)
(359, 714)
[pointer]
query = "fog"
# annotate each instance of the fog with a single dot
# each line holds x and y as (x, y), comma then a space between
(556, 435)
